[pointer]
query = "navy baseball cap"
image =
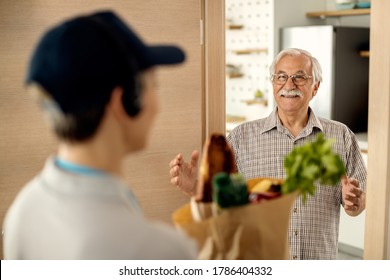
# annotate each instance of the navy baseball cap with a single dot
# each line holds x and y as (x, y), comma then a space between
(81, 60)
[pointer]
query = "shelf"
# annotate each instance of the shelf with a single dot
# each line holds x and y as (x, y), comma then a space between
(337, 13)
(249, 51)
(234, 26)
(233, 71)
(234, 75)
(364, 53)
(256, 101)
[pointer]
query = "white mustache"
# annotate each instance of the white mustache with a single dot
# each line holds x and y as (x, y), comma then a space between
(291, 93)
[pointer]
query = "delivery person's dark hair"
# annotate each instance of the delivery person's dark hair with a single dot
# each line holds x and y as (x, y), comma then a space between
(78, 63)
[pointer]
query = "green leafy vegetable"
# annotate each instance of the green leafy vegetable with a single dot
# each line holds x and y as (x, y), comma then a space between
(311, 162)
(229, 190)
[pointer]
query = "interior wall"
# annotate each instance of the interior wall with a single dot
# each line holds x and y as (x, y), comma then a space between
(25, 141)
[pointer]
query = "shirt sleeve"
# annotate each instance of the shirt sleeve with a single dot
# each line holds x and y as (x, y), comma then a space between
(232, 140)
(355, 164)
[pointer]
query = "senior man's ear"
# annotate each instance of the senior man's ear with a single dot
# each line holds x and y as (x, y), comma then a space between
(316, 86)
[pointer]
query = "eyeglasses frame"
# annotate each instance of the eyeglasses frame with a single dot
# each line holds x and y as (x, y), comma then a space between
(292, 77)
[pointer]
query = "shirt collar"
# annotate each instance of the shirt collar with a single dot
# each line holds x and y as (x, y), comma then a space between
(313, 121)
(273, 121)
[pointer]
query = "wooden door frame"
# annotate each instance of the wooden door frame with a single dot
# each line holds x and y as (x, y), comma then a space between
(214, 79)
(377, 223)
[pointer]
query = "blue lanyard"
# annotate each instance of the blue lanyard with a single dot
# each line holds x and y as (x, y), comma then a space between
(76, 168)
(81, 169)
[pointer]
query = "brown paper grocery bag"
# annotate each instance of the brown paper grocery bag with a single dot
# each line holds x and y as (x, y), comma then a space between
(253, 231)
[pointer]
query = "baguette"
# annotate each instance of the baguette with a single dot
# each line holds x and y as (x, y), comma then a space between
(217, 157)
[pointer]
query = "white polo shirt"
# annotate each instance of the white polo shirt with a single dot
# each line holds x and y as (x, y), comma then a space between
(67, 215)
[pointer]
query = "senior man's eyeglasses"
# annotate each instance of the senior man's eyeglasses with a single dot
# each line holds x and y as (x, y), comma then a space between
(298, 79)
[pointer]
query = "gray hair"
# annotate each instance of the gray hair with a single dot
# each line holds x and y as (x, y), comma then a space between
(315, 65)
(52, 112)
(68, 127)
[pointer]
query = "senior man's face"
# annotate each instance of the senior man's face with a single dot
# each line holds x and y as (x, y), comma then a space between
(292, 98)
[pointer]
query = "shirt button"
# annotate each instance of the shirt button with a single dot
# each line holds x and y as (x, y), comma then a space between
(295, 257)
(295, 232)
(295, 210)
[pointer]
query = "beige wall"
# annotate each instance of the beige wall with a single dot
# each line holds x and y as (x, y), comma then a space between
(24, 139)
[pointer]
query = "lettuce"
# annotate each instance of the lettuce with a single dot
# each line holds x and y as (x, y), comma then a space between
(312, 162)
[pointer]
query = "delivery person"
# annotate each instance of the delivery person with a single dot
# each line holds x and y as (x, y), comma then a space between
(95, 81)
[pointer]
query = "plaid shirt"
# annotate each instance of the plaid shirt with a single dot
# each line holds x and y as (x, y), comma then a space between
(260, 147)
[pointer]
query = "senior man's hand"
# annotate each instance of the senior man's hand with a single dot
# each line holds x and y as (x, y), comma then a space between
(354, 197)
(184, 175)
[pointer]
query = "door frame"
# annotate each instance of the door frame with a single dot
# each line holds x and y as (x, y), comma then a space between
(377, 223)
(214, 53)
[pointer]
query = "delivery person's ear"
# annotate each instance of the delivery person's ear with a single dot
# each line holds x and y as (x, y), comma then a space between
(115, 105)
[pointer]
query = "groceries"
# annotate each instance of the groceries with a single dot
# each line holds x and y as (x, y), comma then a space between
(219, 186)
(229, 190)
(233, 218)
(311, 162)
(217, 157)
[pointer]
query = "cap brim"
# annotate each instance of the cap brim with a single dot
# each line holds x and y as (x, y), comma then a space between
(164, 55)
